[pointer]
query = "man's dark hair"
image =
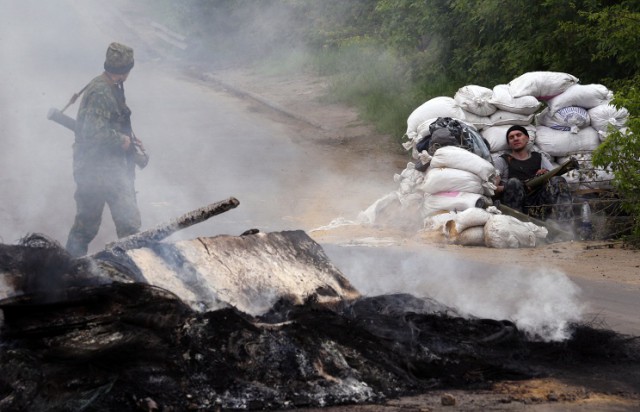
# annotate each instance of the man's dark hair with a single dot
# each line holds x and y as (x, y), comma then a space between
(516, 127)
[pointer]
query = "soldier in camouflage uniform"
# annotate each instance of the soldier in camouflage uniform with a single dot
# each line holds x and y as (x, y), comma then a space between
(105, 155)
(552, 199)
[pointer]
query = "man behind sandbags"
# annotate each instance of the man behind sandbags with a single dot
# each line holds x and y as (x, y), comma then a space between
(551, 199)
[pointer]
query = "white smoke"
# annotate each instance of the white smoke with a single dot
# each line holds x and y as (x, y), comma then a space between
(542, 302)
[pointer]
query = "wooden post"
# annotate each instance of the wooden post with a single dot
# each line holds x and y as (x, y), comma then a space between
(164, 230)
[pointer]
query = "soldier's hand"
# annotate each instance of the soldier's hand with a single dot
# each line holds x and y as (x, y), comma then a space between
(138, 143)
(126, 142)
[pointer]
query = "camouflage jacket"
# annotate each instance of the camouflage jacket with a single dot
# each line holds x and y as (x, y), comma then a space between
(103, 116)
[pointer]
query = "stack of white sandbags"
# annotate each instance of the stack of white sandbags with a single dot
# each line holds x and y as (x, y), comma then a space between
(519, 101)
(480, 227)
(574, 124)
(456, 180)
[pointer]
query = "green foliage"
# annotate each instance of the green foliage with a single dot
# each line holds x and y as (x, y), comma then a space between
(373, 80)
(621, 153)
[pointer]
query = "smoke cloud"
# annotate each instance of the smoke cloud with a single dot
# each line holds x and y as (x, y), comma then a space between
(205, 145)
(542, 302)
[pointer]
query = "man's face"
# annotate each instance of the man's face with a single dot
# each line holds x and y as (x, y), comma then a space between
(517, 140)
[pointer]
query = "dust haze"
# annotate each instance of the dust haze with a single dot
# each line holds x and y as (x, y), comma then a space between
(206, 146)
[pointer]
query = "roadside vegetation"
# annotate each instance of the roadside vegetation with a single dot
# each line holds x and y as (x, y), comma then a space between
(386, 57)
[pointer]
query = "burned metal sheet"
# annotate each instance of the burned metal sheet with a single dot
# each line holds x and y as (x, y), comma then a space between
(249, 272)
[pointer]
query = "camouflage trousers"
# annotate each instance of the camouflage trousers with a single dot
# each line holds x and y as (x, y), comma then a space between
(552, 200)
(90, 200)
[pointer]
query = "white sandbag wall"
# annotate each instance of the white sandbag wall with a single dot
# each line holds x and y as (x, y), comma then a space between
(574, 122)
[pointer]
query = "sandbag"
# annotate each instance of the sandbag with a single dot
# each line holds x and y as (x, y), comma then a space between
(464, 220)
(437, 221)
(479, 122)
(543, 85)
(442, 106)
(561, 143)
(451, 201)
(474, 236)
(408, 179)
(475, 99)
(586, 96)
(446, 179)
(503, 117)
(458, 158)
(496, 136)
(607, 115)
(569, 119)
(503, 231)
(588, 176)
(503, 100)
(589, 179)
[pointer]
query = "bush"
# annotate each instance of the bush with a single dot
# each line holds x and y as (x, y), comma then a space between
(621, 152)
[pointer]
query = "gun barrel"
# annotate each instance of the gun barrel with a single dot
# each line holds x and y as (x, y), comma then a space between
(62, 119)
(570, 164)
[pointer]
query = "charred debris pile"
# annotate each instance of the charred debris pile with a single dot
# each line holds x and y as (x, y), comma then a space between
(93, 345)
(100, 333)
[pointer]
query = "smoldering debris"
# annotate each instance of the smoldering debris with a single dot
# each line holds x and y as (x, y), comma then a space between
(117, 345)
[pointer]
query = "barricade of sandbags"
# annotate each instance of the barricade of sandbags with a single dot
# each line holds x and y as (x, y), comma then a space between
(454, 171)
(480, 227)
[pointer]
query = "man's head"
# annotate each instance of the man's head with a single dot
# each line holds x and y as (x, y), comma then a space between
(119, 59)
(517, 137)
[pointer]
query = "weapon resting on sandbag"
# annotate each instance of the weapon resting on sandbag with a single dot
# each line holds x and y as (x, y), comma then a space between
(538, 181)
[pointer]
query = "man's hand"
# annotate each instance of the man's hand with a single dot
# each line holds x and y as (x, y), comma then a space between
(126, 142)
(540, 172)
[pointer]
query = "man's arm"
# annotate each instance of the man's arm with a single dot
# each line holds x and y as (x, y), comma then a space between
(95, 123)
(503, 168)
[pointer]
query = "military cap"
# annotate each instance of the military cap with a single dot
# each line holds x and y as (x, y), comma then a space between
(119, 59)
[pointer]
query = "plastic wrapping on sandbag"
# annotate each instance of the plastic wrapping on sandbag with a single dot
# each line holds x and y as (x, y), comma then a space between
(569, 119)
(503, 231)
(446, 131)
(442, 106)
